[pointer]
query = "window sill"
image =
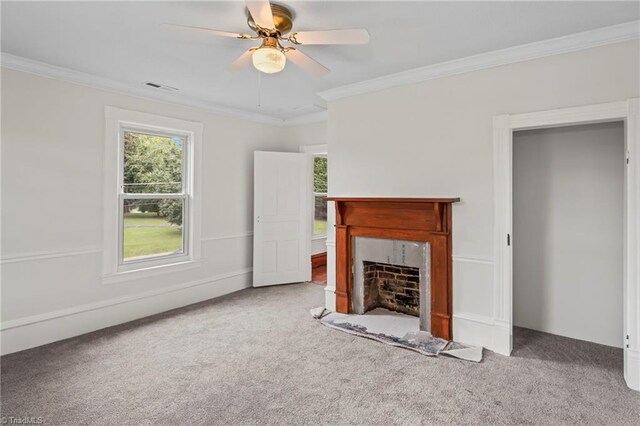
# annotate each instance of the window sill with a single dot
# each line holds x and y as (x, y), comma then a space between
(150, 271)
(319, 237)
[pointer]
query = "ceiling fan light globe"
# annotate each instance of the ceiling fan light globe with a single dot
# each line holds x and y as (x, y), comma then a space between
(269, 60)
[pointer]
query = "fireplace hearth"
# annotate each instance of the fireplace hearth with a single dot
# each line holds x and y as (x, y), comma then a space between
(419, 232)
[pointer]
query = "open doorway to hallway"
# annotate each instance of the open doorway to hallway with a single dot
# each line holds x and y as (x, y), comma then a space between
(319, 211)
(318, 245)
(319, 269)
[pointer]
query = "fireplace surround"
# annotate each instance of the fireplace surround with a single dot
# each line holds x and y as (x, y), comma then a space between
(422, 220)
(391, 274)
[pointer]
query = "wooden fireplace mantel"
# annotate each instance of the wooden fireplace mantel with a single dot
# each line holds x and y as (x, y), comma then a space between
(413, 219)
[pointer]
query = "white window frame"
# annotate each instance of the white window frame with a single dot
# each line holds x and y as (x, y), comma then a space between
(118, 121)
(316, 151)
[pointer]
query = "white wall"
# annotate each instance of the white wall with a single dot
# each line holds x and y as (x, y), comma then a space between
(568, 187)
(306, 134)
(434, 138)
(52, 159)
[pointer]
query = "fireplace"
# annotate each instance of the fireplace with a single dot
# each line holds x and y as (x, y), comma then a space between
(395, 253)
(391, 274)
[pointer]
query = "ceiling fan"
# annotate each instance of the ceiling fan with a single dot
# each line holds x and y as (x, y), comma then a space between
(272, 24)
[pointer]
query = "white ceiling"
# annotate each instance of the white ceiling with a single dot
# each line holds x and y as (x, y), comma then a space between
(122, 41)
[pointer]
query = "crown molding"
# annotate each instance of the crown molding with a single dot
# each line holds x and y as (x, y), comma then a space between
(555, 46)
(315, 117)
(42, 69)
(570, 43)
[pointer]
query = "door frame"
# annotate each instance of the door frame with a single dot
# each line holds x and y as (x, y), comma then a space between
(316, 151)
(627, 111)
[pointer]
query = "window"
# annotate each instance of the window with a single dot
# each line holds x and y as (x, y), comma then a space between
(319, 195)
(153, 196)
(151, 199)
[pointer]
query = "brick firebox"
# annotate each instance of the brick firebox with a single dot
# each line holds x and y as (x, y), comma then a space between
(393, 287)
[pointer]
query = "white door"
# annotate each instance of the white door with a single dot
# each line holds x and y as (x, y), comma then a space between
(283, 194)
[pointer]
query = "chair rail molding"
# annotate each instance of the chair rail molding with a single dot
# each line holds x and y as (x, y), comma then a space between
(54, 254)
(627, 111)
(49, 254)
(471, 259)
(246, 234)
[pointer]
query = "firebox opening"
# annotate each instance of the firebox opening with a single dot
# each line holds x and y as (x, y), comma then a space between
(392, 287)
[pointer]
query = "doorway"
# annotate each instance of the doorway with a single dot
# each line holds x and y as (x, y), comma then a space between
(568, 211)
(319, 213)
(627, 111)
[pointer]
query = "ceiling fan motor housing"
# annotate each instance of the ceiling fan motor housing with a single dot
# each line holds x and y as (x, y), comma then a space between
(270, 42)
(282, 19)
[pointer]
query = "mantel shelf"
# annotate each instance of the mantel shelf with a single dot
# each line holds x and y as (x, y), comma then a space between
(395, 200)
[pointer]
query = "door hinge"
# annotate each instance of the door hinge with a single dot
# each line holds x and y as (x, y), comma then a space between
(508, 239)
(627, 157)
(627, 341)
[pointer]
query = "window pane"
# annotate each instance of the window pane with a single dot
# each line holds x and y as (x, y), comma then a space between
(320, 174)
(152, 164)
(320, 215)
(152, 227)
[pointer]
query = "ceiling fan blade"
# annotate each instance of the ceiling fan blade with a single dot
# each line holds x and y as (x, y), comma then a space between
(204, 30)
(353, 36)
(242, 61)
(260, 11)
(305, 62)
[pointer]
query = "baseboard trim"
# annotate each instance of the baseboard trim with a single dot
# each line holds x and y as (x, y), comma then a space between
(472, 329)
(482, 330)
(37, 330)
(330, 299)
(501, 338)
(318, 260)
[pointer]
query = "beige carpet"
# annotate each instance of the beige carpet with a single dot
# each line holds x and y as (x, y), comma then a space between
(258, 357)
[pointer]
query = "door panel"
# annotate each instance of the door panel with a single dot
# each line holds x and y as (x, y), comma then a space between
(283, 196)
